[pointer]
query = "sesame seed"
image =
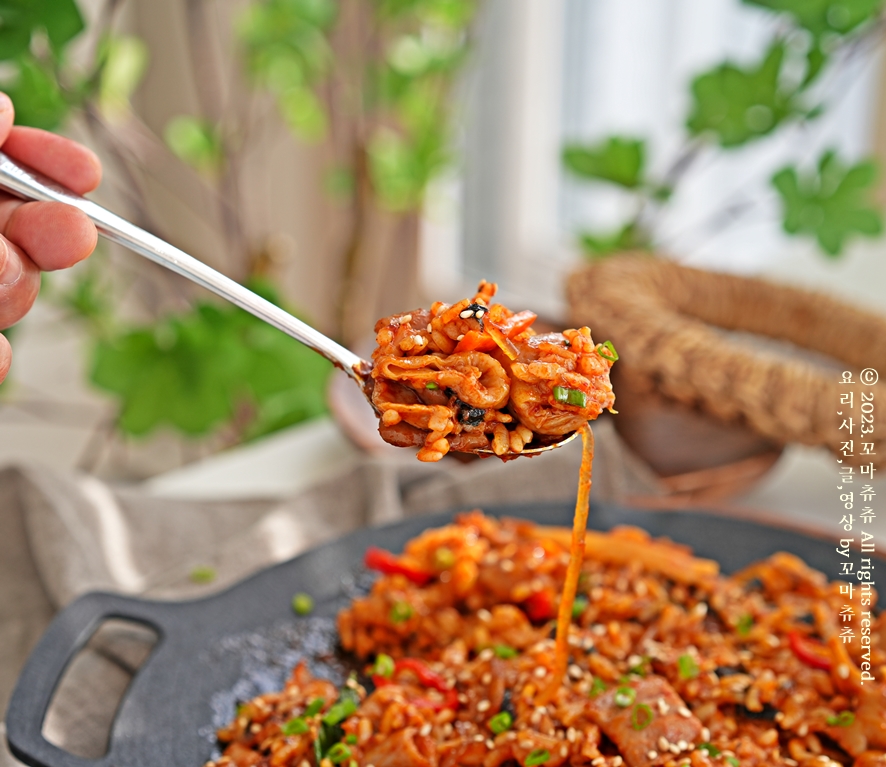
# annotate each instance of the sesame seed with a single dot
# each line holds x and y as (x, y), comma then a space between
(663, 707)
(418, 340)
(483, 705)
(701, 609)
(425, 729)
(684, 712)
(460, 336)
(507, 565)
(462, 698)
(447, 730)
(429, 328)
(540, 672)
(255, 727)
(617, 762)
(663, 743)
(652, 754)
(479, 738)
(489, 744)
(486, 654)
(843, 671)
(352, 683)
(484, 615)
(466, 313)
(571, 734)
(705, 734)
(564, 751)
(598, 761)
(773, 641)
(674, 749)
(682, 745)
(575, 671)
(405, 318)
(634, 660)
(535, 719)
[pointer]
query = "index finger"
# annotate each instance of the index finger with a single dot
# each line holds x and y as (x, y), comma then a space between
(66, 161)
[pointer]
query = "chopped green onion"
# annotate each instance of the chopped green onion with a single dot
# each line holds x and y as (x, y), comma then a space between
(401, 612)
(501, 722)
(576, 397)
(744, 625)
(597, 687)
(687, 667)
(641, 716)
(351, 739)
(569, 396)
(338, 753)
(624, 696)
(303, 604)
(733, 761)
(384, 666)
(315, 706)
(612, 356)
(579, 606)
(444, 558)
(202, 574)
(504, 651)
(340, 711)
(843, 719)
(297, 726)
(538, 756)
(431, 385)
(710, 748)
(640, 668)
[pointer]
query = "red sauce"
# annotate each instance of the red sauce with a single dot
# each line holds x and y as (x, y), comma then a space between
(576, 558)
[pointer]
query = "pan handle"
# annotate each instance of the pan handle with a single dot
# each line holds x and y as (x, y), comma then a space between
(69, 631)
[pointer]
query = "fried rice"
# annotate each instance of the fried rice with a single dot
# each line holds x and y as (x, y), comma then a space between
(474, 376)
(670, 662)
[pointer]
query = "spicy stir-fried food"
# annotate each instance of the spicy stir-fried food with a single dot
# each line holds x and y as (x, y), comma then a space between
(475, 376)
(671, 664)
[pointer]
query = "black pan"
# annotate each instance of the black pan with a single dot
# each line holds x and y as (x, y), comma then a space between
(213, 652)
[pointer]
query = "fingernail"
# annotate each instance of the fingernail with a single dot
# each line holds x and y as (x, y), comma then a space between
(5, 102)
(10, 265)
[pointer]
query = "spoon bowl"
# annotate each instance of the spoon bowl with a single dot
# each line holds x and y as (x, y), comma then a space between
(30, 185)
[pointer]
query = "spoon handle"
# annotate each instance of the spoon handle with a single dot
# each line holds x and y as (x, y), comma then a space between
(31, 185)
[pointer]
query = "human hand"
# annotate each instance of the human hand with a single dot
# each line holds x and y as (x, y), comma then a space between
(40, 236)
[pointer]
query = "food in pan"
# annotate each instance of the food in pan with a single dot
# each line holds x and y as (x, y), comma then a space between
(475, 376)
(670, 662)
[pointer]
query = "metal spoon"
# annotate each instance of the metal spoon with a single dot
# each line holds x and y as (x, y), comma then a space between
(29, 184)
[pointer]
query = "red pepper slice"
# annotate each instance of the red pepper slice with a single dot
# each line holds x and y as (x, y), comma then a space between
(426, 677)
(387, 563)
(810, 651)
(540, 606)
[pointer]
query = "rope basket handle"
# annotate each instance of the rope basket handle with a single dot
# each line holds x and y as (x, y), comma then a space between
(667, 323)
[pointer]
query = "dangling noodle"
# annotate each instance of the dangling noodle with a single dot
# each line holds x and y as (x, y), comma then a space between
(576, 558)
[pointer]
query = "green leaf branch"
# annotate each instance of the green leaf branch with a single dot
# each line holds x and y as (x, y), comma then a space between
(733, 105)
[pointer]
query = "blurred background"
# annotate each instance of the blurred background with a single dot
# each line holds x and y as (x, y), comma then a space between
(352, 158)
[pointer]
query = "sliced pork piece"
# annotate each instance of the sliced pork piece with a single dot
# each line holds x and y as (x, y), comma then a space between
(647, 720)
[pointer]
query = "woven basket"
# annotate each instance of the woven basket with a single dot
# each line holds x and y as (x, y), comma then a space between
(667, 323)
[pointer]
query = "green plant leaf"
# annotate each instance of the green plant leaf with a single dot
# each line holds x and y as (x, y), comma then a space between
(303, 113)
(618, 160)
(832, 204)
(38, 101)
(19, 19)
(195, 141)
(196, 370)
(126, 59)
(821, 17)
(738, 105)
(628, 237)
(401, 167)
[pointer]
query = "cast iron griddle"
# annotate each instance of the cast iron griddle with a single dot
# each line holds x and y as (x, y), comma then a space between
(215, 651)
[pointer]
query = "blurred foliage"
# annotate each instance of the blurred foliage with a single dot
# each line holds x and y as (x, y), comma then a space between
(734, 105)
(212, 368)
(830, 204)
(212, 365)
(395, 95)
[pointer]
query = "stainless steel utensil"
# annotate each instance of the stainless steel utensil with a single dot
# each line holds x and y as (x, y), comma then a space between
(28, 184)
